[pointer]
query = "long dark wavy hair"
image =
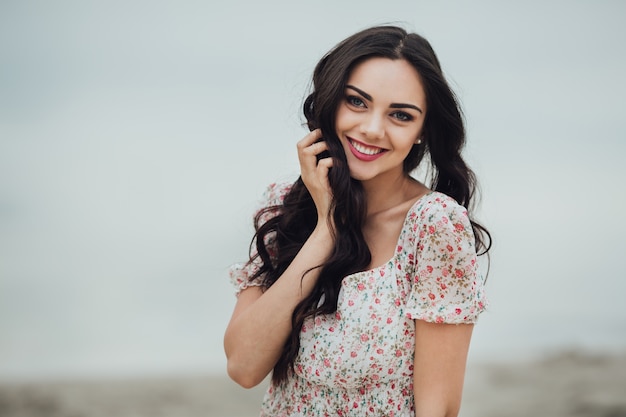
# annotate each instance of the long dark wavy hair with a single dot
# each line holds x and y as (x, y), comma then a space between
(279, 239)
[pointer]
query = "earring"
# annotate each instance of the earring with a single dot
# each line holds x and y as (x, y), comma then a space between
(418, 141)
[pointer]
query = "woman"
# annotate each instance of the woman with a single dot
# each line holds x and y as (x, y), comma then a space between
(362, 288)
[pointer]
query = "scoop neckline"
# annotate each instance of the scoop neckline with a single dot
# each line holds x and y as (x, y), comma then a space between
(404, 224)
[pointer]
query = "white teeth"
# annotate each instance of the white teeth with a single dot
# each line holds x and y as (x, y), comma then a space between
(364, 149)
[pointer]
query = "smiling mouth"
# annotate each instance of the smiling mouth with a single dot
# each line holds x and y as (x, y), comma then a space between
(364, 149)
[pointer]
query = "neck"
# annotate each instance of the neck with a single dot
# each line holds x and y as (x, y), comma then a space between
(384, 193)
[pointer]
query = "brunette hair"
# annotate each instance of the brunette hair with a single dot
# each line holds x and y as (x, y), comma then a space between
(279, 239)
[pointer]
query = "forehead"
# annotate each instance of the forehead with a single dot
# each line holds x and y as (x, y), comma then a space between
(389, 80)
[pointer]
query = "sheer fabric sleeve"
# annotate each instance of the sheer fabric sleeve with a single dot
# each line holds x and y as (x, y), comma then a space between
(240, 273)
(446, 285)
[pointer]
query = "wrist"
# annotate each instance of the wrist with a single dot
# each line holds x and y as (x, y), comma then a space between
(323, 231)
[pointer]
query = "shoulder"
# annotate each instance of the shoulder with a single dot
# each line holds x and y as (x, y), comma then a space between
(438, 216)
(272, 200)
(435, 206)
(275, 193)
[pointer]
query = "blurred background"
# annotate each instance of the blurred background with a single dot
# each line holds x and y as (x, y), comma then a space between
(137, 136)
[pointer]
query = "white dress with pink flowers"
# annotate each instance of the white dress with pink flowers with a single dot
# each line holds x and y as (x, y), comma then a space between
(359, 360)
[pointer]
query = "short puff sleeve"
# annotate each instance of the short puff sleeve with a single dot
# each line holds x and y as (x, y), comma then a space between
(241, 273)
(446, 286)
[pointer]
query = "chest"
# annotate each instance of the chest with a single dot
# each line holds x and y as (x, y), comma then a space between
(368, 340)
(381, 234)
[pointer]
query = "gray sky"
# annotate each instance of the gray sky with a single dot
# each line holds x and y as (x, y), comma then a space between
(137, 136)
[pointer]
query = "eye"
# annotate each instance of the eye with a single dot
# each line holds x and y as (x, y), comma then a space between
(402, 116)
(355, 101)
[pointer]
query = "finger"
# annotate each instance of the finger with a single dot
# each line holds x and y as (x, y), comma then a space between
(310, 138)
(323, 166)
(308, 155)
(314, 149)
(326, 163)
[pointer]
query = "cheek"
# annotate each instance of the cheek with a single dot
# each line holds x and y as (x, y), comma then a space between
(342, 120)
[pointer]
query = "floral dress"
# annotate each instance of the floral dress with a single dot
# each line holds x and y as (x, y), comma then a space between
(359, 360)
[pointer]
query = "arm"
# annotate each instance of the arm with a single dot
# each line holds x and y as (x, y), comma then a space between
(447, 297)
(261, 321)
(439, 367)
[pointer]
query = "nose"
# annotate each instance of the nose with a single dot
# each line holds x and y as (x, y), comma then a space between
(373, 126)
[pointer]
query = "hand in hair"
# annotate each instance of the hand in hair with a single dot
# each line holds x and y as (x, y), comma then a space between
(314, 173)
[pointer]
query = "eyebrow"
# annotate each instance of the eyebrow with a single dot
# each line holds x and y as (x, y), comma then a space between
(392, 105)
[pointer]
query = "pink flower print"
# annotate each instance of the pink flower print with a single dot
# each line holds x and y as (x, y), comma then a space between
(327, 362)
(331, 329)
(439, 319)
(431, 229)
(450, 248)
(399, 248)
(443, 286)
(364, 337)
(431, 295)
(377, 300)
(382, 272)
(398, 353)
(429, 268)
(389, 320)
(355, 405)
(361, 286)
(445, 272)
(353, 354)
(337, 315)
(459, 273)
(459, 227)
(457, 311)
(350, 303)
(380, 351)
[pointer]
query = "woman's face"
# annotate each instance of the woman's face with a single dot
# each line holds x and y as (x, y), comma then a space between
(380, 117)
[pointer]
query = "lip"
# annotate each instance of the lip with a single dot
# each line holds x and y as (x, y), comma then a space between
(363, 156)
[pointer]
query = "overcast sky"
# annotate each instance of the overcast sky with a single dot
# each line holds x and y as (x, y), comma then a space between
(137, 136)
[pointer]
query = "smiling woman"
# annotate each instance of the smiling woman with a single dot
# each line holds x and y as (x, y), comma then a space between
(362, 289)
(376, 121)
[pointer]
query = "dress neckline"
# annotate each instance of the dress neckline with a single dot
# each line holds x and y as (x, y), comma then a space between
(407, 217)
